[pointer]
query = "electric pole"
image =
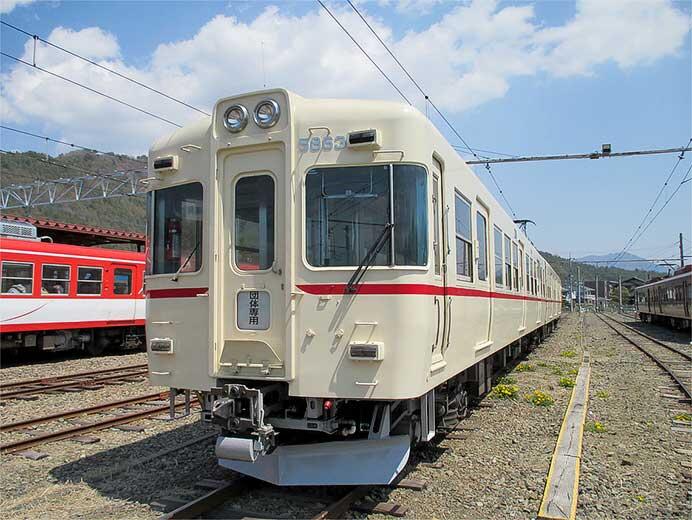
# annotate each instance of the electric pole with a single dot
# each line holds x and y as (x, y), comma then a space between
(579, 287)
(571, 288)
(620, 292)
(682, 256)
(596, 307)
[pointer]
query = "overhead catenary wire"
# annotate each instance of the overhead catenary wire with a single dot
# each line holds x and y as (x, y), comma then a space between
(58, 141)
(683, 181)
(417, 85)
(95, 91)
(103, 67)
(632, 239)
(384, 74)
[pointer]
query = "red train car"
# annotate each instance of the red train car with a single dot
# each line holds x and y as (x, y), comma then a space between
(62, 297)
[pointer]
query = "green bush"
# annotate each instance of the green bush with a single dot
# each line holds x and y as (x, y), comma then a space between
(506, 380)
(539, 398)
(568, 353)
(595, 427)
(566, 382)
(504, 391)
(684, 416)
(602, 394)
(524, 367)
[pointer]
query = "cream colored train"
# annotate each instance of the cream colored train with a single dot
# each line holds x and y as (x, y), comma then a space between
(333, 281)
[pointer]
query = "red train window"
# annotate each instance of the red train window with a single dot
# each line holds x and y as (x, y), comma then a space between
(122, 281)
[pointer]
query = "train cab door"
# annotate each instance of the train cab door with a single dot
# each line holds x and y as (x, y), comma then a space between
(253, 330)
(483, 274)
(442, 301)
(125, 289)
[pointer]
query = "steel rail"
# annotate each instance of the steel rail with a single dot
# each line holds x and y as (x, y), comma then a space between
(4, 386)
(683, 386)
(210, 500)
(70, 384)
(338, 508)
(650, 338)
(12, 447)
(81, 411)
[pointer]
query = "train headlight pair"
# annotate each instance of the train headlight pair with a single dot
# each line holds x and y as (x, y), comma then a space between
(265, 115)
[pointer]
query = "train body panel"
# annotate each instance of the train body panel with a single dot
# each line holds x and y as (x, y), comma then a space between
(57, 296)
(344, 255)
(668, 301)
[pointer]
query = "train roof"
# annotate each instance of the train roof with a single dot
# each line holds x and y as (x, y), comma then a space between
(685, 272)
(39, 247)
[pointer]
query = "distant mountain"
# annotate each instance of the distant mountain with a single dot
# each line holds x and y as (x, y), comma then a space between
(588, 272)
(632, 262)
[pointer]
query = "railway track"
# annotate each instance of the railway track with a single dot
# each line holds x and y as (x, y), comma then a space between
(671, 359)
(73, 382)
(219, 492)
(32, 438)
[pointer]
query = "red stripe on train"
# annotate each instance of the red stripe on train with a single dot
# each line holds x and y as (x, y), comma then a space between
(67, 325)
(183, 292)
(414, 289)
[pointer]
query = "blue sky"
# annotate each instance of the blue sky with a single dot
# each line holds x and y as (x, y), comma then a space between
(519, 78)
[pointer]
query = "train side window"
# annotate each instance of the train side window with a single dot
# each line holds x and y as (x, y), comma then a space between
(254, 223)
(177, 229)
(482, 235)
(17, 278)
(508, 262)
(462, 216)
(89, 280)
(55, 279)
(497, 243)
(122, 281)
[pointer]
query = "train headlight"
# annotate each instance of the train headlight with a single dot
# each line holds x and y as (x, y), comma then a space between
(235, 118)
(267, 113)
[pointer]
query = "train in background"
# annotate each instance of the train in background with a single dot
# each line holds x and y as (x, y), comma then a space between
(57, 297)
(667, 301)
(334, 283)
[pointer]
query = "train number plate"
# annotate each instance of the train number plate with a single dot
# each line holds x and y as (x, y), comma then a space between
(162, 345)
(253, 310)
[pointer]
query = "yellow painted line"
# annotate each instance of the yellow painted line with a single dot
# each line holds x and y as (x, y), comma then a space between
(562, 485)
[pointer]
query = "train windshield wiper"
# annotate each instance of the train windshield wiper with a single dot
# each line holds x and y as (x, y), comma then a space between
(369, 258)
(174, 278)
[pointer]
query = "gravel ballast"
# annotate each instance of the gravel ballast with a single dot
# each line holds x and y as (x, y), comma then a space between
(495, 467)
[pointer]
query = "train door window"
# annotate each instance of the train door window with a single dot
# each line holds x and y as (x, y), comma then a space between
(17, 278)
(55, 279)
(462, 216)
(89, 280)
(528, 274)
(177, 229)
(482, 237)
(497, 243)
(436, 222)
(254, 223)
(122, 281)
(515, 265)
(508, 262)
(521, 268)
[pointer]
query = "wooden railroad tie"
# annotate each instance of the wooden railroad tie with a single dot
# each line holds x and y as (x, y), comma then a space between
(383, 508)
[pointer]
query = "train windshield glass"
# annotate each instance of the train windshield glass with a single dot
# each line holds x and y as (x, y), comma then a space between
(348, 208)
(177, 229)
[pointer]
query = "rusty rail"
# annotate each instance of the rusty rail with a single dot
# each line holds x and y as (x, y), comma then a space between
(52, 379)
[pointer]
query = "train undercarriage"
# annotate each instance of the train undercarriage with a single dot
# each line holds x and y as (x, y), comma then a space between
(270, 435)
(94, 341)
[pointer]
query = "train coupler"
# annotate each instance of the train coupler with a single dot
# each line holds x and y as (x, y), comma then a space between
(240, 412)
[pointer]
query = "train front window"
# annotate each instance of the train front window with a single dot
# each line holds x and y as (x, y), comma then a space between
(348, 208)
(177, 229)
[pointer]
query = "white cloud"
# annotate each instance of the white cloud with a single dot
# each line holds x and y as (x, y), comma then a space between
(468, 57)
(8, 5)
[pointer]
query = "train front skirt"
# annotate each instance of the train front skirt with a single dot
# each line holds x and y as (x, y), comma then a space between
(371, 461)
